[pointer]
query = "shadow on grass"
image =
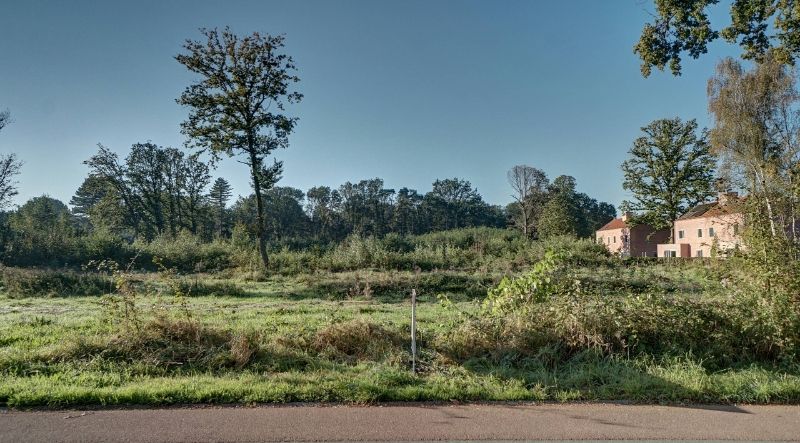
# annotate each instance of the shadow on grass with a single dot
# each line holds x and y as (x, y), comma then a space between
(676, 381)
(382, 287)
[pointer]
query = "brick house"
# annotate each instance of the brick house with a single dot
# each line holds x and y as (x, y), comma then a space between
(621, 237)
(706, 226)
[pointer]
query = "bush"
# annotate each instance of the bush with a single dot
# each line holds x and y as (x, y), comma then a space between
(720, 332)
(50, 283)
(358, 340)
(398, 285)
(185, 253)
(198, 288)
(168, 344)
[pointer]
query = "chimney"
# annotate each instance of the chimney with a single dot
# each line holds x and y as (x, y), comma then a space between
(723, 198)
(627, 216)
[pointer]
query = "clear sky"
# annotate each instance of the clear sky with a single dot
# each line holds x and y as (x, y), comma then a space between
(408, 91)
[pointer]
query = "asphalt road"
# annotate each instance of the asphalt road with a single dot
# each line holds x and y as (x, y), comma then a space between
(405, 423)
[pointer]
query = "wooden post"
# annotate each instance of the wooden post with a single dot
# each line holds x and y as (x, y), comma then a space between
(414, 331)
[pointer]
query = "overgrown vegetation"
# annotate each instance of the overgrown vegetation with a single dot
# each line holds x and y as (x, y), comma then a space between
(575, 325)
(150, 291)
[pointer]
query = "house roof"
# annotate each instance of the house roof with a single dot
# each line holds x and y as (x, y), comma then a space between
(713, 209)
(616, 223)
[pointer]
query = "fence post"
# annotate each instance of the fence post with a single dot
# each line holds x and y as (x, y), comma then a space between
(414, 331)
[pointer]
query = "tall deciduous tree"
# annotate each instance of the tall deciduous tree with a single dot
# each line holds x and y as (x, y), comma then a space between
(529, 187)
(323, 206)
(760, 27)
(562, 214)
(237, 105)
(196, 179)
(10, 167)
(670, 169)
(756, 135)
(106, 165)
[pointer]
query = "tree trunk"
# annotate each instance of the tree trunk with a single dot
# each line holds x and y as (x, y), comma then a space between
(525, 222)
(260, 219)
(760, 179)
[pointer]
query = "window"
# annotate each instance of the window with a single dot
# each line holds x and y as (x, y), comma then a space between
(699, 252)
(615, 239)
(736, 229)
(699, 233)
(711, 232)
(600, 240)
(680, 233)
(669, 254)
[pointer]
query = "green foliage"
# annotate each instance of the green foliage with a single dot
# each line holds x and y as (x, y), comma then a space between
(249, 80)
(535, 286)
(155, 191)
(218, 196)
(186, 253)
(756, 124)
(761, 27)
(670, 170)
(719, 332)
(42, 233)
(19, 282)
(561, 214)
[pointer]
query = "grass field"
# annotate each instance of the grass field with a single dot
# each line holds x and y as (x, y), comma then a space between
(345, 338)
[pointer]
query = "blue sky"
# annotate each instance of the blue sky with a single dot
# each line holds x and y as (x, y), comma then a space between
(407, 91)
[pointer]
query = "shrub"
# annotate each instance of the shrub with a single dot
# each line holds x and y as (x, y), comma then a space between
(536, 286)
(719, 332)
(397, 285)
(357, 340)
(185, 253)
(51, 283)
(168, 344)
(198, 288)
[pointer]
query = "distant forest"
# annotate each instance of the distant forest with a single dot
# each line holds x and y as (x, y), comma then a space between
(158, 193)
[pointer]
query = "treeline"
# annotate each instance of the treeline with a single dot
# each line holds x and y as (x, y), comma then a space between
(158, 193)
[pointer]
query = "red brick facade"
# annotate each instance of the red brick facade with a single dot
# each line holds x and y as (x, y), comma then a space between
(628, 240)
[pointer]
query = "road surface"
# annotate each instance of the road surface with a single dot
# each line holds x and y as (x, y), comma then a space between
(405, 423)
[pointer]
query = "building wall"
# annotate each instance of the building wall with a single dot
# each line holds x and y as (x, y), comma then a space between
(633, 242)
(645, 240)
(692, 243)
(612, 239)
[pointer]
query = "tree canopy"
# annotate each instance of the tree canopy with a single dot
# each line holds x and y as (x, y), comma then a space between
(237, 106)
(760, 27)
(670, 169)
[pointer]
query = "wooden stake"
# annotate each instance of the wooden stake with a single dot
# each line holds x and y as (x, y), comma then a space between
(414, 331)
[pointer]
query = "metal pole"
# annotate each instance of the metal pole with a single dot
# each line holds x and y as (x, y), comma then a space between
(414, 331)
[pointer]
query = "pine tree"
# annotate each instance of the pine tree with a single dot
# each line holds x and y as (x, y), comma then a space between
(218, 196)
